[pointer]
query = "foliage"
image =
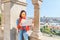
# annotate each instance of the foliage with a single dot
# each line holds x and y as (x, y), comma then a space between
(0, 19)
(46, 29)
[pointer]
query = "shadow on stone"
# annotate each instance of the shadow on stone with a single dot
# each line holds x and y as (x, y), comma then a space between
(13, 34)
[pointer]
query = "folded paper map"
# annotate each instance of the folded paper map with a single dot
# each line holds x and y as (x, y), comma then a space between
(25, 22)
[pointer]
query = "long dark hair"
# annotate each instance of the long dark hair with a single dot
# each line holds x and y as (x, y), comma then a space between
(21, 16)
(21, 13)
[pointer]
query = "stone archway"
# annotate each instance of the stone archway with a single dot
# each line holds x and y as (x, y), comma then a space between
(6, 18)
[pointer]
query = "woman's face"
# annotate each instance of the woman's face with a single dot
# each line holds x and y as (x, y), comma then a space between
(23, 14)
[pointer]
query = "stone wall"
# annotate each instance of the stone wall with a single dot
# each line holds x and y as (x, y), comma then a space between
(1, 34)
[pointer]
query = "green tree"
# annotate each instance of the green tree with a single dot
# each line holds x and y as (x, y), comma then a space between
(0, 19)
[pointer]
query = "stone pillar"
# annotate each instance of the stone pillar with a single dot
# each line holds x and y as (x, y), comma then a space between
(7, 7)
(2, 12)
(36, 29)
(1, 31)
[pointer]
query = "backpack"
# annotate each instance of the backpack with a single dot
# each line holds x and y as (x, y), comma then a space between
(17, 21)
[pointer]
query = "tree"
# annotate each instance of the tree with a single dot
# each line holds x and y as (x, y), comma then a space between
(0, 19)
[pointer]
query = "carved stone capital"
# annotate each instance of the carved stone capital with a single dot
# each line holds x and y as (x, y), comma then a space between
(34, 2)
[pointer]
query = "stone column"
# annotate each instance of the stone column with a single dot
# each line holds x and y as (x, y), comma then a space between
(36, 29)
(7, 7)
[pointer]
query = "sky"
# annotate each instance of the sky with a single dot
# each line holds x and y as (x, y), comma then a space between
(49, 8)
(30, 9)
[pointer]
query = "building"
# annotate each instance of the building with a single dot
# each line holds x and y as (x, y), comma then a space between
(8, 17)
(15, 10)
(12, 14)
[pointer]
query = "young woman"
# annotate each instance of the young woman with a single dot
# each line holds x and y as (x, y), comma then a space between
(22, 30)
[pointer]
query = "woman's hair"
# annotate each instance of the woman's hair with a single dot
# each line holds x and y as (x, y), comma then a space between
(21, 13)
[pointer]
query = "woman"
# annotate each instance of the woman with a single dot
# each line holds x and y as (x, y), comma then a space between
(22, 29)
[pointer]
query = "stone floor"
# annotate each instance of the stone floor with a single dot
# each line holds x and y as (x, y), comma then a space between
(49, 38)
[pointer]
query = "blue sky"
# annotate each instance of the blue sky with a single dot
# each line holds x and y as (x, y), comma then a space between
(50, 8)
(30, 9)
